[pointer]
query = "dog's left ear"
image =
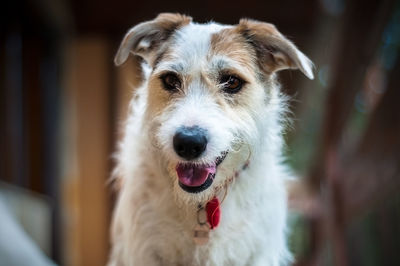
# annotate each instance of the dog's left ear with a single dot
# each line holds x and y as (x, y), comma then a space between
(146, 38)
(274, 51)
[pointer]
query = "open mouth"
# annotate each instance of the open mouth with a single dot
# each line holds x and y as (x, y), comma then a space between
(194, 178)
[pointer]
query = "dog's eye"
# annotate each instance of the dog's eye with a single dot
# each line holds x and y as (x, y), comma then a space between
(231, 84)
(171, 82)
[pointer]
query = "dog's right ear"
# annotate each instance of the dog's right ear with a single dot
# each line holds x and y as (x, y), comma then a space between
(145, 38)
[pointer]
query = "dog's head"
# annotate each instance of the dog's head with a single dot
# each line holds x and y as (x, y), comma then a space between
(212, 97)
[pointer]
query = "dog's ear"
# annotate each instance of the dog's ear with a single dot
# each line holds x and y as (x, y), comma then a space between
(274, 51)
(145, 38)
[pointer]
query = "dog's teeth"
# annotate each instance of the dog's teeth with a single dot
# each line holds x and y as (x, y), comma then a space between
(221, 158)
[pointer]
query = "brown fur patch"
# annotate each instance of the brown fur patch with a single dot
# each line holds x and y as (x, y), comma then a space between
(172, 21)
(158, 98)
(230, 43)
(261, 28)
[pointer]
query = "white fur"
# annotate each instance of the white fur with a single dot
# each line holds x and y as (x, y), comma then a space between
(154, 218)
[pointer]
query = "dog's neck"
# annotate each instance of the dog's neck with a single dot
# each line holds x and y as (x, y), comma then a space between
(218, 198)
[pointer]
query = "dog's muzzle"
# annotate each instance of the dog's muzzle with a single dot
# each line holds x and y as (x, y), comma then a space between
(189, 144)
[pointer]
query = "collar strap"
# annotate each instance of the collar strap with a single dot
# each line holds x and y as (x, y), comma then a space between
(213, 209)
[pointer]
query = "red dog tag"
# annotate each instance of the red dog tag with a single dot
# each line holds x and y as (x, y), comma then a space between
(213, 212)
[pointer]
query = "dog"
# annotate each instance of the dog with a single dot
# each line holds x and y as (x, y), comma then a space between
(200, 165)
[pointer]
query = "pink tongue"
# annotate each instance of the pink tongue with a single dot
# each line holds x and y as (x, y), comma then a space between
(194, 176)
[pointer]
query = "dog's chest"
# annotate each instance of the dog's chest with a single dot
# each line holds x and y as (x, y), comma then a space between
(232, 243)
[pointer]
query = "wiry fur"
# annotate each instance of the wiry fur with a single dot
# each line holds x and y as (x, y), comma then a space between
(154, 218)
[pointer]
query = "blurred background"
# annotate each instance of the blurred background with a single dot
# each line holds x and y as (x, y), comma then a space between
(62, 103)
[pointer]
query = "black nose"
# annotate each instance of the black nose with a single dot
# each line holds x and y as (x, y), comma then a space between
(190, 142)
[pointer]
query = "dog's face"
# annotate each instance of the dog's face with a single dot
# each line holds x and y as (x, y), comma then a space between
(212, 96)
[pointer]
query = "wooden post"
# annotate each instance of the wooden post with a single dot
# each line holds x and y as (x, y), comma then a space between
(87, 153)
